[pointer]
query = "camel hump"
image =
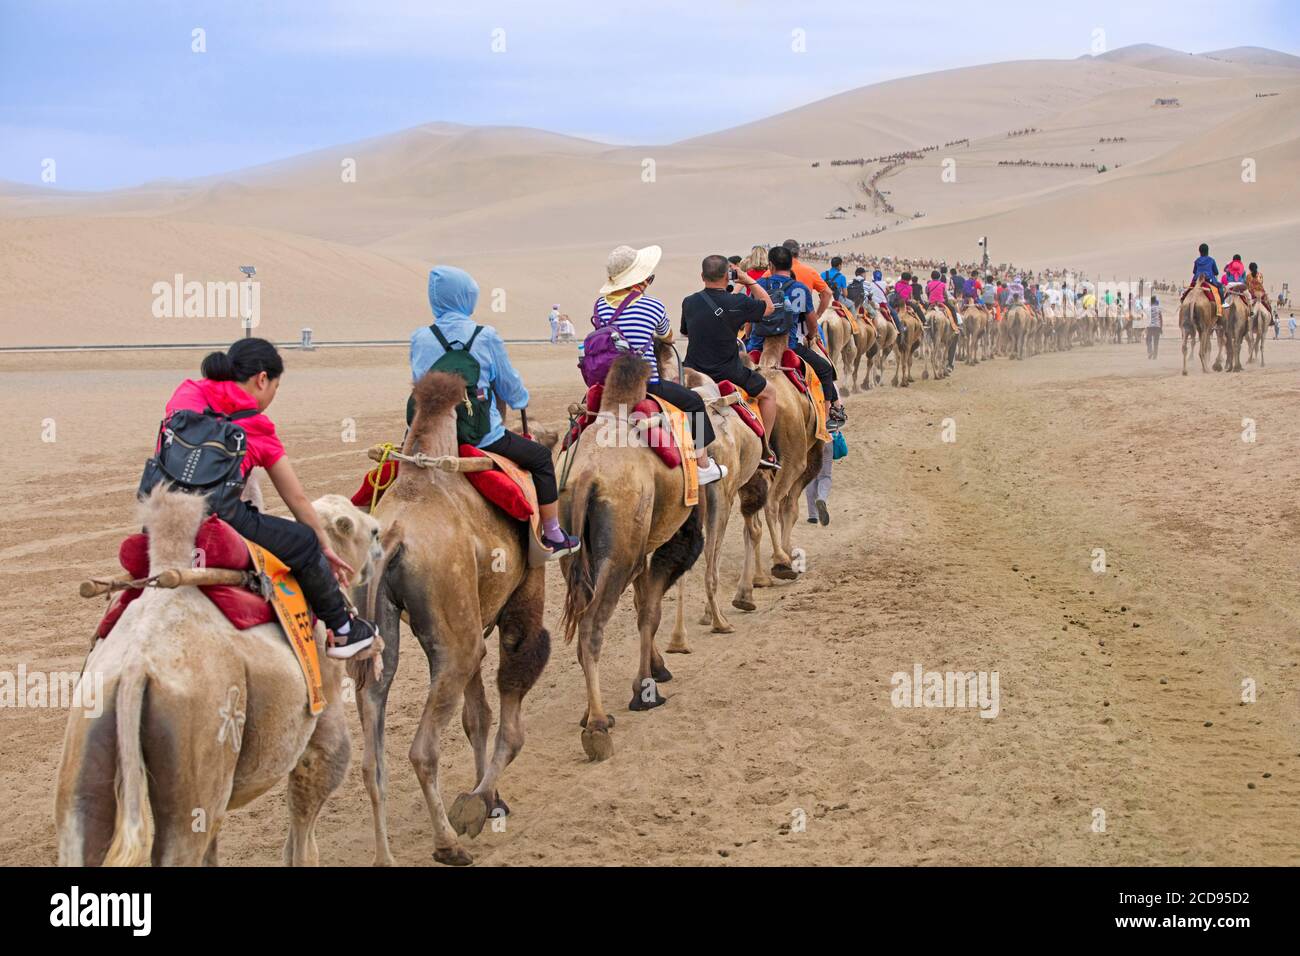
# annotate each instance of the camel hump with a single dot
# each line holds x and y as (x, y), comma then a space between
(626, 381)
(436, 392)
(172, 519)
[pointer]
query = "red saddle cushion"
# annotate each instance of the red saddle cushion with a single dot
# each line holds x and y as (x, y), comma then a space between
(662, 440)
(218, 546)
(498, 487)
(383, 475)
(791, 363)
(746, 414)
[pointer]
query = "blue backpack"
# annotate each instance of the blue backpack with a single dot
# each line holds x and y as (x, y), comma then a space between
(784, 315)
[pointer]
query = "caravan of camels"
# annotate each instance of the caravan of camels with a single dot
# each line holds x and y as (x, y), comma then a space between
(453, 529)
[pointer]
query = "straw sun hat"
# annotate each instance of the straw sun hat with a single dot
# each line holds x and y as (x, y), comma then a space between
(627, 266)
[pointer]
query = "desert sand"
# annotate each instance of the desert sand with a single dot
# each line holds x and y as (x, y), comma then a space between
(1121, 691)
(533, 214)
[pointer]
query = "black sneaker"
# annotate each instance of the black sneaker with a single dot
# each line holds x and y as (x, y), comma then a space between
(823, 514)
(567, 544)
(769, 460)
(812, 520)
(361, 634)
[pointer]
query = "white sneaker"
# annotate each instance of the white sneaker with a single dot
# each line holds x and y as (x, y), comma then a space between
(712, 472)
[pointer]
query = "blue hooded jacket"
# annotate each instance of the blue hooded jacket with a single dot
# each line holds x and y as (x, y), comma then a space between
(453, 294)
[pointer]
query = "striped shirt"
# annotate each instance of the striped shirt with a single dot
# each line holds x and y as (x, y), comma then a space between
(640, 322)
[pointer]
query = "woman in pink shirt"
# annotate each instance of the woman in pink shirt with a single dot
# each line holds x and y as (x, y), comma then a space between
(246, 378)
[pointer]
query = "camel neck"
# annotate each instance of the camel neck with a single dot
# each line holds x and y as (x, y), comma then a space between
(437, 437)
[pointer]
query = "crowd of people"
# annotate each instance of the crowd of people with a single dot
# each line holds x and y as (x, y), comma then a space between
(772, 292)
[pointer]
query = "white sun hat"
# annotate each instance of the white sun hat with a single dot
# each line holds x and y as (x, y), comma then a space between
(627, 266)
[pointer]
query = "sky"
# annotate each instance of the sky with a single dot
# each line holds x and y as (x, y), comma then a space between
(116, 93)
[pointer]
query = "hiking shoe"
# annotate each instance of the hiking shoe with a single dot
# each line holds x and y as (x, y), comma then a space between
(361, 634)
(837, 414)
(823, 515)
(712, 472)
(566, 544)
(769, 460)
(812, 519)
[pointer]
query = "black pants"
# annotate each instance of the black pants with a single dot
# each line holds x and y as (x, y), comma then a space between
(531, 456)
(296, 545)
(689, 401)
(822, 366)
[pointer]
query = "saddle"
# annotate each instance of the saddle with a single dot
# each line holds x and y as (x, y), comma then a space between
(741, 406)
(663, 427)
(506, 486)
(805, 381)
(280, 597)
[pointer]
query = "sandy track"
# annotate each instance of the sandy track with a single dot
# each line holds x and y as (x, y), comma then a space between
(973, 555)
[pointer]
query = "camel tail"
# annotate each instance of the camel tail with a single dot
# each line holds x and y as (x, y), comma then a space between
(580, 587)
(133, 829)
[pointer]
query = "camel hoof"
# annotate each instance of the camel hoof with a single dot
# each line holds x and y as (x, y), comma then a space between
(638, 701)
(742, 604)
(784, 572)
(608, 717)
(661, 674)
(679, 648)
(597, 745)
(454, 855)
(724, 627)
(468, 814)
(385, 860)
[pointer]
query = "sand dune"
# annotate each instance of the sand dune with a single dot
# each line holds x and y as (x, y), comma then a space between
(533, 213)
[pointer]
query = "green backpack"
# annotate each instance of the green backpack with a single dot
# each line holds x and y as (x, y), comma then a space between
(473, 415)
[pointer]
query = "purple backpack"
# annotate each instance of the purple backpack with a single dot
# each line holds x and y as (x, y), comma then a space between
(602, 346)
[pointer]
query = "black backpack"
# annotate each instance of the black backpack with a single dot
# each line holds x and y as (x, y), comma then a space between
(200, 453)
(857, 292)
(784, 316)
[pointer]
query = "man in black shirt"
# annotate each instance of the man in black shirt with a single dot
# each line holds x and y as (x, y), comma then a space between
(711, 321)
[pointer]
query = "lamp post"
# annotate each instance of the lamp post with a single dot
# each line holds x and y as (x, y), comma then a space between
(247, 320)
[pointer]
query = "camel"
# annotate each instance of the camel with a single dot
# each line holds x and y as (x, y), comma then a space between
(1016, 322)
(886, 338)
(907, 345)
(941, 338)
(974, 329)
(738, 448)
(1260, 321)
(629, 511)
(199, 718)
(841, 344)
(795, 440)
(1235, 327)
(1197, 319)
(456, 567)
(864, 340)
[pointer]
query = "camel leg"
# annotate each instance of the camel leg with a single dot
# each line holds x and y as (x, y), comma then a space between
(596, 723)
(753, 534)
(718, 521)
(525, 647)
(320, 770)
(372, 706)
(451, 634)
(476, 720)
(677, 642)
(446, 686)
(670, 561)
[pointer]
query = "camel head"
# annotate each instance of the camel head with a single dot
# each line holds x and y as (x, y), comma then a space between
(353, 535)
